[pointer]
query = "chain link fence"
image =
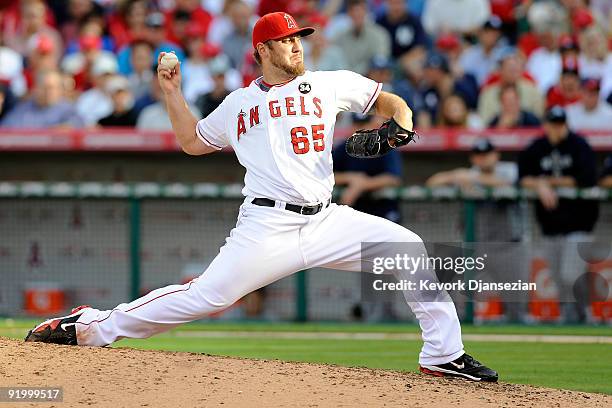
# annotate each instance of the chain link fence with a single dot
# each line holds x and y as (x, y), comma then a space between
(65, 244)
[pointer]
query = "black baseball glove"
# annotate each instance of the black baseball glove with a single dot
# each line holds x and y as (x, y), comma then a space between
(370, 143)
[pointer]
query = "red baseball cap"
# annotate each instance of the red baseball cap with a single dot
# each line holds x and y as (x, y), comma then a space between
(90, 42)
(274, 26)
(582, 19)
(44, 44)
(448, 41)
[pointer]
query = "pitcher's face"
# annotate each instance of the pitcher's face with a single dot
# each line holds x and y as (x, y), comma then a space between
(287, 54)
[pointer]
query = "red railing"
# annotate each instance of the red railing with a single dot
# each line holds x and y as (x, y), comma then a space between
(131, 140)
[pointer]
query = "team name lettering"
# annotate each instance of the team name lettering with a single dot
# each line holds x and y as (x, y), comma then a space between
(254, 115)
(317, 102)
(290, 106)
(241, 128)
(275, 111)
(303, 110)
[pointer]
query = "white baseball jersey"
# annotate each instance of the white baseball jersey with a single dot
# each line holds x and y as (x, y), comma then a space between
(282, 134)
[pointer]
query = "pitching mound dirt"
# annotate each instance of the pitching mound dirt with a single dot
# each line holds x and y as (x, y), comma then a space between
(105, 377)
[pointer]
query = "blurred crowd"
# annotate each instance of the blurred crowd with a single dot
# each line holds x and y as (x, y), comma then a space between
(458, 63)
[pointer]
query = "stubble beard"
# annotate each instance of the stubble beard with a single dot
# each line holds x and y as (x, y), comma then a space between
(296, 69)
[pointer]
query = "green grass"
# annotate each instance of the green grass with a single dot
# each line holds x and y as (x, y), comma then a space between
(254, 326)
(584, 367)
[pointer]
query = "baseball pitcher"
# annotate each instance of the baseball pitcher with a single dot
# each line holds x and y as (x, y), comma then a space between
(280, 127)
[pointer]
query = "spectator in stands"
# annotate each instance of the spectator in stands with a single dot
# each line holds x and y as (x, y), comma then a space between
(128, 22)
(209, 101)
(95, 103)
(184, 13)
(11, 69)
(364, 39)
(508, 11)
(510, 73)
(197, 78)
(41, 57)
(437, 84)
(155, 33)
(544, 63)
(452, 47)
(155, 116)
(180, 22)
(123, 113)
(537, 14)
(595, 58)
(482, 59)
(319, 53)
(454, 113)
(238, 42)
(80, 64)
(47, 108)
(561, 158)
(460, 16)
(92, 25)
(511, 115)
(606, 175)
(567, 91)
(487, 170)
(222, 24)
(141, 58)
(33, 24)
(578, 15)
(75, 14)
(590, 112)
(405, 30)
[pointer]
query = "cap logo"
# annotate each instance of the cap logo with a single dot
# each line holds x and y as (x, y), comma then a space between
(290, 21)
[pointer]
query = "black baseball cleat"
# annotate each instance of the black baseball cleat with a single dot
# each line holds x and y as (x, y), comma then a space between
(60, 330)
(465, 366)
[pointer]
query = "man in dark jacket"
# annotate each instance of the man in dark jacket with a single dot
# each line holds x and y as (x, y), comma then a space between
(561, 158)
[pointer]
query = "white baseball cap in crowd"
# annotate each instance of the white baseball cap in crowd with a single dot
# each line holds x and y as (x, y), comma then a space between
(219, 65)
(104, 64)
(117, 83)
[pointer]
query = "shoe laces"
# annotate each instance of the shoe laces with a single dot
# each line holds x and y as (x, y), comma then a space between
(471, 360)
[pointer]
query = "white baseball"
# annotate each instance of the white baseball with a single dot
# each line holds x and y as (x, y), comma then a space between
(169, 60)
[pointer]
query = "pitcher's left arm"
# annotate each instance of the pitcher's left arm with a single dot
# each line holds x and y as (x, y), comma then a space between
(395, 132)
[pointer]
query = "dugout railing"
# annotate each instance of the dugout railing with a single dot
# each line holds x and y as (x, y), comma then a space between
(63, 244)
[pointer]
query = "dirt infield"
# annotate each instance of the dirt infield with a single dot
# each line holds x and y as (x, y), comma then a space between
(105, 377)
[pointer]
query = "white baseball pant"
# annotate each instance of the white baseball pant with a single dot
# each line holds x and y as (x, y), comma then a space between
(267, 244)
